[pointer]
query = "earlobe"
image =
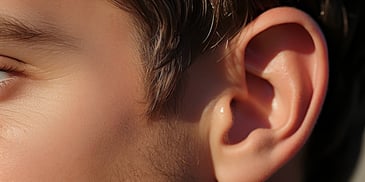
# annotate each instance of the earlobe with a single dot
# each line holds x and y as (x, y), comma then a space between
(268, 118)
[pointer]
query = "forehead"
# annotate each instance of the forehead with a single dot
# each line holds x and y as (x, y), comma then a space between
(74, 16)
(52, 8)
(92, 22)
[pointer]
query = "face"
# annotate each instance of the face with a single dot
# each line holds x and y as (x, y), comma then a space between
(71, 92)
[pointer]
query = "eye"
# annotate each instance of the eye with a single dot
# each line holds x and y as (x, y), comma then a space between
(5, 78)
(10, 72)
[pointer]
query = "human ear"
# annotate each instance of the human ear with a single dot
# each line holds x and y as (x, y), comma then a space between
(277, 69)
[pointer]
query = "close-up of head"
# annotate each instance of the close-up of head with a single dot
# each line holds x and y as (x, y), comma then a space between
(175, 90)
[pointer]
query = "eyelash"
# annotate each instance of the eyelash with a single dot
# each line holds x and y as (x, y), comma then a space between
(7, 68)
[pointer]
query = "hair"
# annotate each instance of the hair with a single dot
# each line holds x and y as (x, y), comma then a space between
(172, 33)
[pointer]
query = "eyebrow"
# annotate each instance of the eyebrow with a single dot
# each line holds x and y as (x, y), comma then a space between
(42, 34)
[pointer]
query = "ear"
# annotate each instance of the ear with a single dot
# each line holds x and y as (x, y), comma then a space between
(277, 69)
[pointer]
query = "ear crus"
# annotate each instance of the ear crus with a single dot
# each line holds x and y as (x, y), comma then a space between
(267, 118)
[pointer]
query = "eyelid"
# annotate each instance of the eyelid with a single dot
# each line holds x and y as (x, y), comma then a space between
(12, 70)
(12, 64)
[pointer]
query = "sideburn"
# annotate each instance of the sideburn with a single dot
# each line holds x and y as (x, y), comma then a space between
(175, 154)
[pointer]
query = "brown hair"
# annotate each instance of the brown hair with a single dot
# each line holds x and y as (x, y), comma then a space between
(173, 32)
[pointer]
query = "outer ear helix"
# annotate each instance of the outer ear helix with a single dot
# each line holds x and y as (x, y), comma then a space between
(297, 75)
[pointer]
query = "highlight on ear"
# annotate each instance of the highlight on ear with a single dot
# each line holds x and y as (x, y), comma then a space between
(269, 115)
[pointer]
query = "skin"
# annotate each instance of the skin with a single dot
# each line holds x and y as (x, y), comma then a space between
(72, 99)
(75, 112)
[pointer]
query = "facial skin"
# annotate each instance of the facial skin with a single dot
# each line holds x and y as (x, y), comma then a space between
(72, 109)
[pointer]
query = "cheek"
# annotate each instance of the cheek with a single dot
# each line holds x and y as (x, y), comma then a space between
(67, 128)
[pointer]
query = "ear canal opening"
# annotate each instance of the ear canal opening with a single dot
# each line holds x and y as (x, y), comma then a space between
(245, 120)
(253, 113)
